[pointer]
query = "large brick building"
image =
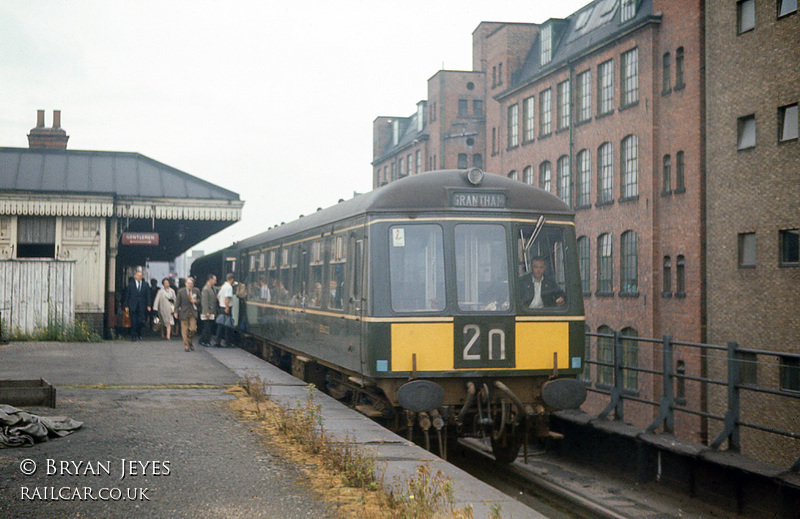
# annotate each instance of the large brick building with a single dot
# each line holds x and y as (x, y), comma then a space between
(605, 109)
(753, 91)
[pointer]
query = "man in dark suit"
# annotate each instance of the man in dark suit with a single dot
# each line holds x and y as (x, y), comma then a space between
(538, 290)
(137, 304)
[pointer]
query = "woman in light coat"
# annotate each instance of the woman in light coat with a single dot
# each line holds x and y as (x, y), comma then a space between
(164, 305)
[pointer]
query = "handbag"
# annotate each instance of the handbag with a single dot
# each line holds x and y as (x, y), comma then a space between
(224, 320)
(126, 320)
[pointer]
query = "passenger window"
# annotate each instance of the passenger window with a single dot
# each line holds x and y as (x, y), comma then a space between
(336, 278)
(315, 275)
(482, 268)
(541, 268)
(416, 268)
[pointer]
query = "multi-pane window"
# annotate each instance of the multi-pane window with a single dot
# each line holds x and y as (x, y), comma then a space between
(789, 248)
(564, 180)
(746, 132)
(787, 122)
(666, 80)
(630, 262)
(527, 176)
(400, 169)
(605, 87)
(630, 77)
(463, 108)
(513, 125)
(630, 166)
(418, 162)
(667, 275)
(409, 164)
(584, 96)
(605, 355)
(513, 174)
(394, 171)
(605, 173)
(786, 7)
(462, 161)
(563, 105)
(790, 373)
(605, 266)
(546, 45)
(584, 262)
(679, 68)
(545, 175)
(627, 11)
(747, 249)
(584, 178)
(667, 175)
(477, 108)
(477, 160)
(528, 128)
(544, 112)
(746, 15)
(679, 165)
(630, 358)
(680, 276)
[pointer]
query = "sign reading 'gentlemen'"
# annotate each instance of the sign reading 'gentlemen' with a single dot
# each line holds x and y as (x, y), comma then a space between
(473, 200)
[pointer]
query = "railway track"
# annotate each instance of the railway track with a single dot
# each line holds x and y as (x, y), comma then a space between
(523, 484)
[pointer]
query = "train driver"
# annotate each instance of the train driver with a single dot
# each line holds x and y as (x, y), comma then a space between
(540, 290)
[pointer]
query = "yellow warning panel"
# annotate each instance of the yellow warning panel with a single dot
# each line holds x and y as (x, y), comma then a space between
(432, 342)
(536, 342)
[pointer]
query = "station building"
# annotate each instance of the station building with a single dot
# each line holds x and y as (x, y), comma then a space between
(605, 110)
(102, 213)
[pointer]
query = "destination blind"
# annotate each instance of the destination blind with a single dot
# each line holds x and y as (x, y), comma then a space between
(474, 200)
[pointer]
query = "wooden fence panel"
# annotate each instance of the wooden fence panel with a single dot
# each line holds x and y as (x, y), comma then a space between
(36, 292)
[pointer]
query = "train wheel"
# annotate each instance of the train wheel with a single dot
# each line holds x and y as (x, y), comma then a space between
(506, 437)
(506, 449)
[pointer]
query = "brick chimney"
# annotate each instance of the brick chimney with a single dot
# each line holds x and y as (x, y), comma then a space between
(54, 138)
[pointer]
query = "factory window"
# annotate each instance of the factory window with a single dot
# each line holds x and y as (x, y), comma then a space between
(585, 96)
(400, 169)
(463, 108)
(680, 276)
(787, 122)
(630, 358)
(36, 237)
(790, 374)
(564, 104)
(513, 174)
(546, 45)
(667, 175)
(394, 171)
(494, 76)
(789, 248)
(500, 74)
(679, 187)
(462, 161)
(494, 141)
(418, 162)
(528, 128)
(786, 7)
(545, 175)
(605, 174)
(605, 265)
(667, 277)
(630, 263)
(747, 132)
(605, 87)
(679, 69)
(666, 80)
(527, 176)
(630, 77)
(584, 260)
(584, 179)
(630, 167)
(477, 160)
(477, 108)
(748, 367)
(605, 355)
(627, 11)
(545, 113)
(513, 126)
(564, 180)
(746, 14)
(747, 249)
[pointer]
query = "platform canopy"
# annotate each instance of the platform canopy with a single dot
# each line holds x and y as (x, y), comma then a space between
(142, 194)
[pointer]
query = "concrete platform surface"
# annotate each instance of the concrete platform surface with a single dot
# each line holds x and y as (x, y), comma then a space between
(157, 415)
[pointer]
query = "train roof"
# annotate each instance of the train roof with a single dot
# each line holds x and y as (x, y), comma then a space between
(420, 193)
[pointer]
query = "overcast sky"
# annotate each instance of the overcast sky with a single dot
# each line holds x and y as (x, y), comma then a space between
(272, 100)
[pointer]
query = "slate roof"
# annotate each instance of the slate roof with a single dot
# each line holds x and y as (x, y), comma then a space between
(100, 172)
(595, 23)
(408, 132)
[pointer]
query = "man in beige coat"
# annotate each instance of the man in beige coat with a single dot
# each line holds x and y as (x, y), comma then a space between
(186, 311)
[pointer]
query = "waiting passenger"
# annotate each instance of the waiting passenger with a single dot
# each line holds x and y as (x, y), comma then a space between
(540, 290)
(263, 291)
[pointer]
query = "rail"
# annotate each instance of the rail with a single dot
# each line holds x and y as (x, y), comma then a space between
(613, 378)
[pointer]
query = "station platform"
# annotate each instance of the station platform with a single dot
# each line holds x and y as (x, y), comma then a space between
(157, 429)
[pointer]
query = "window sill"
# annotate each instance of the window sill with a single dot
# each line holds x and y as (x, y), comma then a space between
(680, 87)
(582, 122)
(747, 148)
(666, 92)
(666, 193)
(629, 294)
(789, 265)
(601, 204)
(629, 106)
(587, 294)
(679, 190)
(784, 141)
(747, 266)
(604, 114)
(530, 141)
(512, 147)
(666, 295)
(604, 294)
(680, 295)
(545, 135)
(562, 130)
(633, 198)
(583, 207)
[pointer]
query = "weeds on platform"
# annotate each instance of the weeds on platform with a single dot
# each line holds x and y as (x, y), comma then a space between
(424, 495)
(58, 331)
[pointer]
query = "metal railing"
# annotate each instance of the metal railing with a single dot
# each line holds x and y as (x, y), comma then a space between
(668, 404)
